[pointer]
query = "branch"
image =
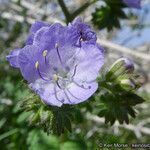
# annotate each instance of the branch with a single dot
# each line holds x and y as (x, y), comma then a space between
(123, 49)
(82, 8)
(65, 11)
(131, 127)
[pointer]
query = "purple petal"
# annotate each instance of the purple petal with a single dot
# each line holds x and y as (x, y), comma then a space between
(82, 32)
(27, 59)
(34, 28)
(49, 37)
(38, 25)
(29, 40)
(77, 20)
(54, 96)
(90, 60)
(76, 94)
(48, 93)
(129, 64)
(61, 57)
(13, 58)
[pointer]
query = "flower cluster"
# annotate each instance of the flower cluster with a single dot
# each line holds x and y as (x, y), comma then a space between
(133, 3)
(60, 63)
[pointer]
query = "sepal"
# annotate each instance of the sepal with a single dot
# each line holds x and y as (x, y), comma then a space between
(51, 119)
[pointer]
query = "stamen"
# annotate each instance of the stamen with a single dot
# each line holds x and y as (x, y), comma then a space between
(82, 86)
(42, 76)
(57, 46)
(56, 96)
(55, 77)
(37, 68)
(55, 69)
(74, 72)
(44, 55)
(58, 85)
(72, 94)
(68, 97)
(89, 82)
(81, 39)
(36, 64)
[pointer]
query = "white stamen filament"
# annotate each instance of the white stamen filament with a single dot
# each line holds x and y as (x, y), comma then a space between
(57, 48)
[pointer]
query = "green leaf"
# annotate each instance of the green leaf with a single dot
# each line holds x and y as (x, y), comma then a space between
(108, 16)
(132, 99)
(118, 106)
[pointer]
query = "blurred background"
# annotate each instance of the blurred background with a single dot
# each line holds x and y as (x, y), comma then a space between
(130, 37)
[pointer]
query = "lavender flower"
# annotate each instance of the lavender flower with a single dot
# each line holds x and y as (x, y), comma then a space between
(13, 56)
(57, 69)
(34, 28)
(83, 32)
(133, 3)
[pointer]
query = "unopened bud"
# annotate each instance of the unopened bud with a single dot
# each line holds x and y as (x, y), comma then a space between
(127, 83)
(128, 63)
(122, 66)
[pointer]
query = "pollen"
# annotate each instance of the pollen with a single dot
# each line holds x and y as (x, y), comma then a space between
(36, 64)
(44, 53)
(55, 77)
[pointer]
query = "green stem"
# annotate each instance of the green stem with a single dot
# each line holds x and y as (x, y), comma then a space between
(70, 16)
(104, 85)
(65, 10)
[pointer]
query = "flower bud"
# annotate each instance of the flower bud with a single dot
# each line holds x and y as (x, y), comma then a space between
(128, 64)
(121, 67)
(127, 84)
(124, 61)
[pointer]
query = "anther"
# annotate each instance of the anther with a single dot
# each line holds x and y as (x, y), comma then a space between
(81, 39)
(55, 77)
(40, 74)
(82, 86)
(56, 45)
(89, 87)
(36, 64)
(44, 53)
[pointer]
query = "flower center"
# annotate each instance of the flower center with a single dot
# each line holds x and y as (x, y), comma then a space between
(63, 79)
